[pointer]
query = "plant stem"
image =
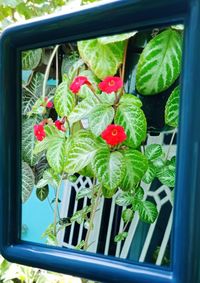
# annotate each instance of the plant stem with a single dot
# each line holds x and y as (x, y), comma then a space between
(56, 204)
(170, 145)
(95, 203)
(46, 75)
(124, 65)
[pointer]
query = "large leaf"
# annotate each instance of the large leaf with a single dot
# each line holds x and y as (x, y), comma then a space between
(103, 60)
(83, 109)
(32, 92)
(64, 100)
(27, 181)
(56, 154)
(172, 108)
(134, 122)
(116, 38)
(81, 151)
(135, 167)
(100, 117)
(147, 211)
(28, 142)
(160, 63)
(31, 59)
(109, 167)
(130, 99)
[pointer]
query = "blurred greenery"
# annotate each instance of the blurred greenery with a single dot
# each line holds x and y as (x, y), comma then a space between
(12, 11)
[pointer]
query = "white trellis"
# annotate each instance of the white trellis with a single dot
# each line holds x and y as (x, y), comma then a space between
(161, 196)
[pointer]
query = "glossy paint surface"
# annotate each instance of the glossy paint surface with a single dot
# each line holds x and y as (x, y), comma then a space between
(118, 16)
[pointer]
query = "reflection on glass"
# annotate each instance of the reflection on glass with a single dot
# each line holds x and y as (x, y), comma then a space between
(99, 130)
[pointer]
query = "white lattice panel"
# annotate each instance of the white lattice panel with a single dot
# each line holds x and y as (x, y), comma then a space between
(161, 196)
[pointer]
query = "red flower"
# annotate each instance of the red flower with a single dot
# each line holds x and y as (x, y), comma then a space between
(49, 103)
(114, 134)
(111, 84)
(59, 125)
(39, 132)
(77, 83)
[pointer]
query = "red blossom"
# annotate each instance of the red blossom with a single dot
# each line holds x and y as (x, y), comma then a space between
(59, 125)
(114, 134)
(39, 132)
(49, 104)
(110, 84)
(77, 83)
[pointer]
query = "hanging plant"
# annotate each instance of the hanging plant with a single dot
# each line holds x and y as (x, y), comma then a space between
(87, 124)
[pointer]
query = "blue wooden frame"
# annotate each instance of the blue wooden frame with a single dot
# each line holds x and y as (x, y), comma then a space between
(111, 18)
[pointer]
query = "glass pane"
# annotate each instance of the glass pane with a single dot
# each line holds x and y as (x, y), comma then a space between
(100, 124)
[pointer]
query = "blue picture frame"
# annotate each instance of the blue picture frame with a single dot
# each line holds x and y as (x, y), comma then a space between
(103, 19)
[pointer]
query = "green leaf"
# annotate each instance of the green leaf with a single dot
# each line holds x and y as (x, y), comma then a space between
(28, 142)
(150, 174)
(147, 211)
(108, 193)
(83, 109)
(153, 151)
(116, 38)
(135, 167)
(100, 117)
(160, 63)
(27, 181)
(32, 93)
(109, 167)
(172, 108)
(56, 154)
(125, 199)
(71, 65)
(130, 99)
(121, 236)
(139, 194)
(87, 171)
(81, 152)
(84, 192)
(31, 59)
(42, 193)
(107, 98)
(64, 100)
(167, 174)
(134, 122)
(127, 215)
(80, 215)
(103, 60)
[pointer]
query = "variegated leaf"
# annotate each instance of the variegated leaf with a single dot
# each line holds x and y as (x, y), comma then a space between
(103, 60)
(28, 180)
(160, 63)
(116, 38)
(100, 117)
(153, 151)
(172, 108)
(109, 167)
(64, 100)
(150, 173)
(147, 211)
(31, 59)
(130, 99)
(32, 92)
(134, 122)
(83, 109)
(28, 142)
(81, 151)
(135, 167)
(56, 154)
